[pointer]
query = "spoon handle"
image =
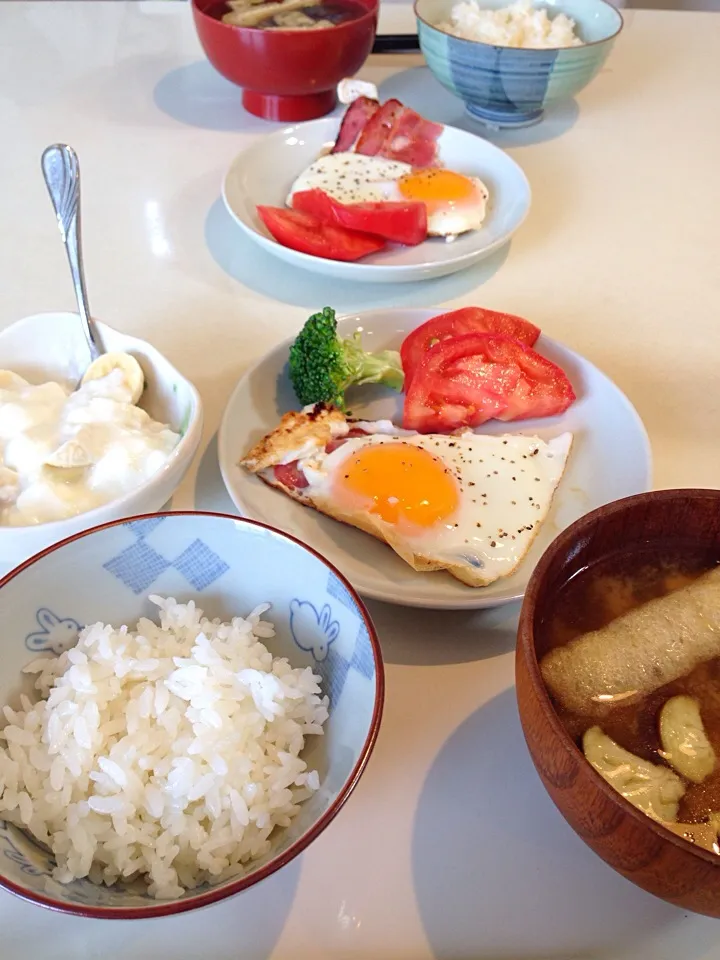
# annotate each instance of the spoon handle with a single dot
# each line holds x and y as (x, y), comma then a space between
(62, 176)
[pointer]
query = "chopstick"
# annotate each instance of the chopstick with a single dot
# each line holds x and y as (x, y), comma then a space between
(396, 43)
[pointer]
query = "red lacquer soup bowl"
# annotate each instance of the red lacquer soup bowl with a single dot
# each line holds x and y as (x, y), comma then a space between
(287, 75)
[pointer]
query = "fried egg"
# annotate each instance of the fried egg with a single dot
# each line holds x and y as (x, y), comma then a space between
(471, 504)
(455, 202)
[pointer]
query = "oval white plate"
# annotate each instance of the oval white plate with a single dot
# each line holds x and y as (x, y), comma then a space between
(264, 172)
(610, 458)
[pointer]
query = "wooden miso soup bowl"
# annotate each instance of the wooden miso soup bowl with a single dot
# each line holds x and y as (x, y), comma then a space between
(629, 841)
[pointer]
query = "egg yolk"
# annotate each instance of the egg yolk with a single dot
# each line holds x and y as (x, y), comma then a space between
(400, 483)
(436, 186)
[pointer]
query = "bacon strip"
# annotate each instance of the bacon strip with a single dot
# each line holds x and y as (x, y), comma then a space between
(413, 140)
(392, 131)
(357, 115)
(378, 128)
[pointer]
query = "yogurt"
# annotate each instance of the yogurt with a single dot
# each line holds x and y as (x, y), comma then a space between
(65, 452)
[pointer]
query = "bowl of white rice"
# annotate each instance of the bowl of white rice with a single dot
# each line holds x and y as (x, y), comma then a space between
(509, 62)
(188, 699)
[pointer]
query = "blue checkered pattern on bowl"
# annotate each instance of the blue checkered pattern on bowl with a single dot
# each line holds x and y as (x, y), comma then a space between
(228, 567)
(139, 565)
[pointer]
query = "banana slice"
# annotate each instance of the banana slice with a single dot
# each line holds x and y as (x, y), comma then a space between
(11, 381)
(131, 370)
(655, 790)
(64, 475)
(69, 455)
(685, 744)
(9, 485)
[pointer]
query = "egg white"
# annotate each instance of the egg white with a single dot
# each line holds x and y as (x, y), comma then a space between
(506, 485)
(451, 218)
(354, 178)
(350, 177)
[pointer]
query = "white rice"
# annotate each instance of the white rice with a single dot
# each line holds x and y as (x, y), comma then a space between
(170, 753)
(519, 25)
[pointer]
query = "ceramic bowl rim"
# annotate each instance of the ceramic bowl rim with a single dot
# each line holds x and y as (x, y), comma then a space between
(215, 895)
(372, 11)
(183, 451)
(358, 267)
(527, 649)
(529, 50)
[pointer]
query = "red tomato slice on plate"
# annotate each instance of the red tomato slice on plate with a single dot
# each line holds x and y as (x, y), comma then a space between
(472, 378)
(399, 222)
(459, 322)
(305, 233)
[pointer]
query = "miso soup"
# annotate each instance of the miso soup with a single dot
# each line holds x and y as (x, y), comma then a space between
(288, 14)
(632, 656)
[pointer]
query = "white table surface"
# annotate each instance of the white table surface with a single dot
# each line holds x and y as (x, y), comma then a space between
(449, 848)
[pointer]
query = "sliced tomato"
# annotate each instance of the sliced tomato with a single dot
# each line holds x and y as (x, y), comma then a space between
(303, 232)
(399, 222)
(464, 381)
(459, 322)
(290, 475)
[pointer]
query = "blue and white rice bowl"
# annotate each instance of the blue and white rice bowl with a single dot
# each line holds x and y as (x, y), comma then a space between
(512, 86)
(227, 566)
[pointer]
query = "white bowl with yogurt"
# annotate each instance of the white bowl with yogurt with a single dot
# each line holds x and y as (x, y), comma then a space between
(139, 453)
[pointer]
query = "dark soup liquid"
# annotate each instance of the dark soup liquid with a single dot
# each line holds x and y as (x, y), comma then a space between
(600, 594)
(329, 13)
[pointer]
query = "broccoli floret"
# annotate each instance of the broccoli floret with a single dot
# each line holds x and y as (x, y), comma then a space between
(322, 366)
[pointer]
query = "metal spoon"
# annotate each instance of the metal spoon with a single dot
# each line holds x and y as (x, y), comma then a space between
(61, 171)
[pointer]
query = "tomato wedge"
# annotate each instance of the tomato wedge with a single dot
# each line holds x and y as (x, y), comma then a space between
(455, 324)
(472, 378)
(305, 233)
(399, 222)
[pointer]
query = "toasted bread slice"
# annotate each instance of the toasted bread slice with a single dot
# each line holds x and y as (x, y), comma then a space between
(311, 429)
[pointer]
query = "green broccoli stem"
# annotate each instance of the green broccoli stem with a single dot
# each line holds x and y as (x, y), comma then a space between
(322, 367)
(383, 367)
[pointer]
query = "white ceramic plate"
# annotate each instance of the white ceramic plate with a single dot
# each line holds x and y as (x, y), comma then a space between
(610, 459)
(264, 172)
